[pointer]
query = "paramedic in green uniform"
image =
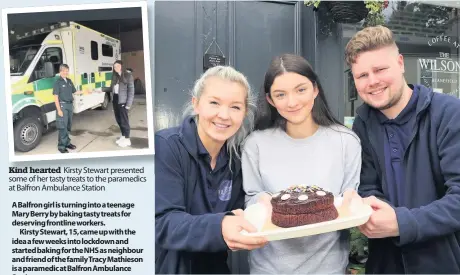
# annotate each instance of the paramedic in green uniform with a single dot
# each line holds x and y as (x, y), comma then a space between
(63, 92)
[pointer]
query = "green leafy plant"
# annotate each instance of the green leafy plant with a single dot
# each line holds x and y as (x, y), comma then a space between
(374, 17)
(358, 246)
(314, 3)
(358, 252)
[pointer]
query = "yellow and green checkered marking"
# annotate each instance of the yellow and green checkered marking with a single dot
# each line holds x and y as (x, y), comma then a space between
(43, 89)
(99, 80)
(37, 93)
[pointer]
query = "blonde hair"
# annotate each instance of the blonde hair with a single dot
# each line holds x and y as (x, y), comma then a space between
(368, 39)
(230, 74)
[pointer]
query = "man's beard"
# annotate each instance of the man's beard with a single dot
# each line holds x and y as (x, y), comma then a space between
(393, 101)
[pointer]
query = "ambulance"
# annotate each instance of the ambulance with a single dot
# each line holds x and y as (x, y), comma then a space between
(35, 58)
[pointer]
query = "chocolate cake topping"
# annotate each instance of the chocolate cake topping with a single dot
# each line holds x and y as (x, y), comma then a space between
(302, 204)
(296, 194)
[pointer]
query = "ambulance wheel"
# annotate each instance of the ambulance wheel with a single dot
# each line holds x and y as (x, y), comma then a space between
(105, 103)
(27, 133)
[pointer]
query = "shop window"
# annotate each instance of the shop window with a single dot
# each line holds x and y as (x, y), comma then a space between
(427, 36)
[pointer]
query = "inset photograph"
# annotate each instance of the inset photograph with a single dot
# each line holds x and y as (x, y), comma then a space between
(80, 81)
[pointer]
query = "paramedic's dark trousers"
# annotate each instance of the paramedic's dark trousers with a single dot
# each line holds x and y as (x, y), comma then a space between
(64, 125)
(121, 116)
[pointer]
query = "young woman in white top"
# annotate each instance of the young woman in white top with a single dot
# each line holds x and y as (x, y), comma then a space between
(298, 141)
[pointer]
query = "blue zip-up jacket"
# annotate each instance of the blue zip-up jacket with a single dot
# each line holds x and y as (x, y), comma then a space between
(429, 213)
(188, 235)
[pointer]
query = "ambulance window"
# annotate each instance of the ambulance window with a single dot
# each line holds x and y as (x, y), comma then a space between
(53, 55)
(105, 69)
(107, 50)
(94, 51)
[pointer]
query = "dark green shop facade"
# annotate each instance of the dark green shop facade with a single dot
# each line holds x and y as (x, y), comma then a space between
(248, 34)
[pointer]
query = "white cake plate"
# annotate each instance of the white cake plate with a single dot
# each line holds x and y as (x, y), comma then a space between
(350, 216)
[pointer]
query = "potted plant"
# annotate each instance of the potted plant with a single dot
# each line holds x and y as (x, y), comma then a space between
(358, 252)
(354, 11)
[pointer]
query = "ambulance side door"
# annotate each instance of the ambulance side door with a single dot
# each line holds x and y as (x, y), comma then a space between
(89, 50)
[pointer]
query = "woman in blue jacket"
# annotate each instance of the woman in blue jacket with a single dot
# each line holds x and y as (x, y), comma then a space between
(198, 178)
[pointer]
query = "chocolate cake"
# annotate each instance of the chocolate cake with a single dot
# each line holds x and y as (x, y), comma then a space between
(301, 205)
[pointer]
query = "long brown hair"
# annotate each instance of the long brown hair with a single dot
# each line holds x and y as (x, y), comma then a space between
(267, 116)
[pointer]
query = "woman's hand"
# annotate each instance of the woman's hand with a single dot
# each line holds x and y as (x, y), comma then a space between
(349, 196)
(231, 231)
(266, 200)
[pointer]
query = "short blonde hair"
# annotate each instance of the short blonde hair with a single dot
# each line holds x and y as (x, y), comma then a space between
(231, 74)
(368, 39)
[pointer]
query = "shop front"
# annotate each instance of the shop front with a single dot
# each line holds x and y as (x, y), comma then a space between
(247, 35)
(428, 38)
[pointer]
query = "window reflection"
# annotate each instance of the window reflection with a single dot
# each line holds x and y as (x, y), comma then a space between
(427, 36)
